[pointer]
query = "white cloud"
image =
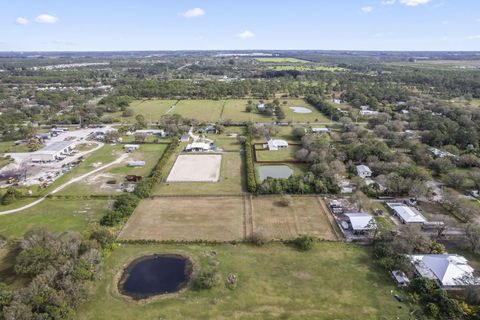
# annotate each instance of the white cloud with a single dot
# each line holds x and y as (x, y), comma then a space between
(478, 20)
(414, 3)
(195, 12)
(246, 34)
(21, 20)
(476, 37)
(367, 9)
(388, 2)
(46, 18)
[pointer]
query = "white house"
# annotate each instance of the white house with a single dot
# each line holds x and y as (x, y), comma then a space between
(361, 221)
(53, 152)
(320, 130)
(449, 270)
(198, 147)
(406, 214)
(261, 107)
(368, 113)
(274, 145)
(364, 171)
(136, 164)
(155, 132)
(131, 147)
(337, 101)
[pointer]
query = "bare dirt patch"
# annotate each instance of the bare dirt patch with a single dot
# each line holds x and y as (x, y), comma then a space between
(196, 168)
(187, 219)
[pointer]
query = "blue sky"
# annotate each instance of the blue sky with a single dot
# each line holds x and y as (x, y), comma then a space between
(50, 25)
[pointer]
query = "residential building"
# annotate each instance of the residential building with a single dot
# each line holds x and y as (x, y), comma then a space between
(364, 171)
(361, 221)
(274, 145)
(406, 214)
(449, 270)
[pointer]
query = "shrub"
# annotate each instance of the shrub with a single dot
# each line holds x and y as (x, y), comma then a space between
(207, 279)
(258, 239)
(11, 196)
(304, 242)
(285, 201)
(251, 180)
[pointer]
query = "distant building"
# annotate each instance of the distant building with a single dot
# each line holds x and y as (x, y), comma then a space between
(198, 147)
(337, 101)
(131, 147)
(364, 171)
(155, 132)
(53, 152)
(320, 130)
(441, 154)
(361, 221)
(274, 145)
(449, 270)
(261, 107)
(368, 113)
(136, 164)
(406, 214)
(185, 138)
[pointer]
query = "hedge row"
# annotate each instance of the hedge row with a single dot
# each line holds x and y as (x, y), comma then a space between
(144, 188)
(251, 180)
(324, 107)
(123, 208)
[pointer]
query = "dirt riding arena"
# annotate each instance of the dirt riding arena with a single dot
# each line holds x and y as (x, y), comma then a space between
(227, 218)
(196, 168)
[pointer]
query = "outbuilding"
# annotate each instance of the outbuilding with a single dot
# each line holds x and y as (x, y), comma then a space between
(364, 171)
(406, 214)
(361, 221)
(54, 151)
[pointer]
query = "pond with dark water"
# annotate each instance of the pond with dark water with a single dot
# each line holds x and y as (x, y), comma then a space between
(155, 275)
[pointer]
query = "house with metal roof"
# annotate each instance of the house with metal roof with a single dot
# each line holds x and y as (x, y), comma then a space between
(274, 145)
(449, 270)
(361, 221)
(364, 171)
(406, 214)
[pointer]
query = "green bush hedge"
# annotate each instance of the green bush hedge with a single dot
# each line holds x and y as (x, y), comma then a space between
(250, 166)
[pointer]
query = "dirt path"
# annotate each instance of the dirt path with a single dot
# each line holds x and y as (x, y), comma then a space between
(63, 186)
(331, 219)
(248, 216)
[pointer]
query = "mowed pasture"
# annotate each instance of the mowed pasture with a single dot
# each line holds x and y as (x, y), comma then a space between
(201, 110)
(304, 215)
(187, 219)
(227, 218)
(151, 109)
(234, 110)
(332, 281)
(231, 181)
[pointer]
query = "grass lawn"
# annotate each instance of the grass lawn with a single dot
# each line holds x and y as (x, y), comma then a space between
(10, 147)
(55, 215)
(201, 110)
(291, 116)
(307, 68)
(279, 155)
(4, 162)
(232, 181)
(282, 60)
(152, 110)
(332, 281)
(235, 111)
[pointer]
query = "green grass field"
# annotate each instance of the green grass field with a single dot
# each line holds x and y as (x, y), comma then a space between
(152, 110)
(307, 68)
(291, 116)
(332, 281)
(9, 146)
(287, 154)
(281, 60)
(57, 215)
(201, 110)
(235, 111)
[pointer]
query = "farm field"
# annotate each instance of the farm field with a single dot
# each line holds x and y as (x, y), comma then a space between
(307, 68)
(291, 116)
(303, 216)
(187, 219)
(56, 215)
(231, 181)
(97, 183)
(332, 281)
(201, 110)
(152, 109)
(234, 110)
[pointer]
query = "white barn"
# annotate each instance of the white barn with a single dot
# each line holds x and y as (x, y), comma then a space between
(53, 152)
(361, 221)
(198, 147)
(406, 214)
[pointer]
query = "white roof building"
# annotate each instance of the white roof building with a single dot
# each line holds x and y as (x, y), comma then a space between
(368, 113)
(364, 171)
(53, 151)
(131, 146)
(320, 130)
(157, 132)
(361, 221)
(407, 214)
(275, 145)
(450, 270)
(198, 146)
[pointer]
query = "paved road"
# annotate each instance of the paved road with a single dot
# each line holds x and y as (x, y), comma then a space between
(66, 184)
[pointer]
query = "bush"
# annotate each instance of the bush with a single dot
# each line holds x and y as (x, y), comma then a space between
(251, 180)
(11, 196)
(285, 201)
(258, 239)
(304, 242)
(103, 236)
(207, 279)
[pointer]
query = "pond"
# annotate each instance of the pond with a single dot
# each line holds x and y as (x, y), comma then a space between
(277, 172)
(154, 275)
(301, 110)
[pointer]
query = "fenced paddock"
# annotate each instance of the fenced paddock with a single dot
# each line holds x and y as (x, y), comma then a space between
(196, 168)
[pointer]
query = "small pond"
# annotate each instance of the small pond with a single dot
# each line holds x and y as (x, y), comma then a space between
(301, 110)
(154, 275)
(277, 172)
